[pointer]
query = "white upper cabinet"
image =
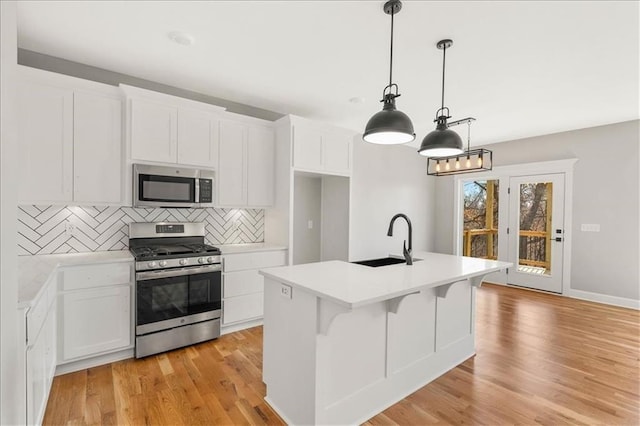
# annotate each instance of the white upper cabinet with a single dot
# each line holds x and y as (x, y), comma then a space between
(232, 168)
(45, 142)
(97, 156)
(154, 131)
(336, 151)
(307, 146)
(169, 129)
(197, 138)
(321, 148)
(246, 169)
(69, 140)
(260, 166)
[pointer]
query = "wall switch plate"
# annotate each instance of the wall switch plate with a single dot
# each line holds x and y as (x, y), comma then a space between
(285, 291)
(310, 224)
(590, 227)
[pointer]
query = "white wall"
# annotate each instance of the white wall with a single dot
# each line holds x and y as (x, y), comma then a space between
(307, 195)
(387, 180)
(12, 380)
(605, 192)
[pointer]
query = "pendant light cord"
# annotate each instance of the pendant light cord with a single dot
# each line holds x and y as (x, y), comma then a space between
(444, 58)
(391, 53)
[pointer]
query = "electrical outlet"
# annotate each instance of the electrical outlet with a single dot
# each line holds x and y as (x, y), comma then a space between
(590, 227)
(69, 229)
(285, 291)
(310, 224)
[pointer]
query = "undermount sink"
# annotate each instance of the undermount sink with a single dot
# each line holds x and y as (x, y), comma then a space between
(383, 261)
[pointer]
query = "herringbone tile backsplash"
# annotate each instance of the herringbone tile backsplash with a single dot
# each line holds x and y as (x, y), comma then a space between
(78, 229)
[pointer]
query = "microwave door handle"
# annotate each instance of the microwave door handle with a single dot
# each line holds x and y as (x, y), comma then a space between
(151, 275)
(197, 185)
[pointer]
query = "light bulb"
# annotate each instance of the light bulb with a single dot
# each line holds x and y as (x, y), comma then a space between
(457, 163)
(479, 161)
(468, 162)
(437, 166)
(446, 166)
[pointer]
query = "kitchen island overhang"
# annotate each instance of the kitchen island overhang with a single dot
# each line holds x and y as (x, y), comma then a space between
(342, 342)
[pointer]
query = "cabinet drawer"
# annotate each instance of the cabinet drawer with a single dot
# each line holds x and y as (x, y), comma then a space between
(36, 317)
(243, 261)
(243, 308)
(242, 282)
(38, 313)
(83, 277)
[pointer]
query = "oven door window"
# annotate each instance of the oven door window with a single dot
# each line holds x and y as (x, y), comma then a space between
(166, 188)
(168, 298)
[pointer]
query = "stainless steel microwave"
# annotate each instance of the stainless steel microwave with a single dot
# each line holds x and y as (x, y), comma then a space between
(160, 186)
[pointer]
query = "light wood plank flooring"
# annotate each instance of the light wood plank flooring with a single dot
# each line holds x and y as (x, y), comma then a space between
(540, 359)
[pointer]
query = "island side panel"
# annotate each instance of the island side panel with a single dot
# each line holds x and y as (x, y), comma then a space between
(370, 370)
(289, 352)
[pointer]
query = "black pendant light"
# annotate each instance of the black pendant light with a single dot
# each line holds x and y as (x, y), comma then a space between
(390, 126)
(442, 142)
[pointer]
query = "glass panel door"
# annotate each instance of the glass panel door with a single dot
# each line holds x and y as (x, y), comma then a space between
(480, 222)
(536, 231)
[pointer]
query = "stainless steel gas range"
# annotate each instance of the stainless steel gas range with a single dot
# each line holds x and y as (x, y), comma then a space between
(178, 286)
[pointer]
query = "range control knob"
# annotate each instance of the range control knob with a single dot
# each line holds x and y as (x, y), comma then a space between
(152, 264)
(202, 260)
(183, 261)
(163, 263)
(210, 259)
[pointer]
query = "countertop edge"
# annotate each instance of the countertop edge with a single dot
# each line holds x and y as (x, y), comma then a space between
(57, 262)
(230, 249)
(389, 296)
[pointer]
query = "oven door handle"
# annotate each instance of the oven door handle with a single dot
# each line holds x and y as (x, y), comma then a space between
(150, 275)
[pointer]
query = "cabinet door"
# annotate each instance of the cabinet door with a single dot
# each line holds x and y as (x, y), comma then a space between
(336, 149)
(260, 166)
(242, 282)
(243, 308)
(197, 138)
(45, 143)
(154, 131)
(307, 147)
(97, 156)
(95, 321)
(231, 169)
(36, 379)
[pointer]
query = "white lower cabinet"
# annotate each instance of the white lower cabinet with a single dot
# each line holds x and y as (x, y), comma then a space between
(95, 321)
(95, 310)
(243, 287)
(40, 353)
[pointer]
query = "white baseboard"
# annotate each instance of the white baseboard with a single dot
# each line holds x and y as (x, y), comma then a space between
(623, 302)
(226, 329)
(83, 364)
(603, 298)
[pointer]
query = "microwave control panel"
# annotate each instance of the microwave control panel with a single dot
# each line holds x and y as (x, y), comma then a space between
(206, 191)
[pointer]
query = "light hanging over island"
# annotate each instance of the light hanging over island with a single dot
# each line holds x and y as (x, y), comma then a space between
(342, 341)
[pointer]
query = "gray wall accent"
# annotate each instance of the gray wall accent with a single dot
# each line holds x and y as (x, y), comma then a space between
(307, 196)
(62, 66)
(606, 191)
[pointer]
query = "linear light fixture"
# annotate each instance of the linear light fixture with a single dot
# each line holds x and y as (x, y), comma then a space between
(469, 161)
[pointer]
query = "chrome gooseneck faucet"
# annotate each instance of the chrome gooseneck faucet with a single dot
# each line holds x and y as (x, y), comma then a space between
(405, 251)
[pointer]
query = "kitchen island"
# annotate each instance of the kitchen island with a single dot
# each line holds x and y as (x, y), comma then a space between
(343, 341)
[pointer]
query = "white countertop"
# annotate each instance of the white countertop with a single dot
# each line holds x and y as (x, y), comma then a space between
(34, 271)
(248, 248)
(354, 285)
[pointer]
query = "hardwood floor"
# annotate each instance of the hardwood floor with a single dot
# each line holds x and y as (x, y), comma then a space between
(540, 359)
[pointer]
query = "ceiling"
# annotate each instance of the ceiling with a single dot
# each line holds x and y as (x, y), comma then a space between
(520, 68)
